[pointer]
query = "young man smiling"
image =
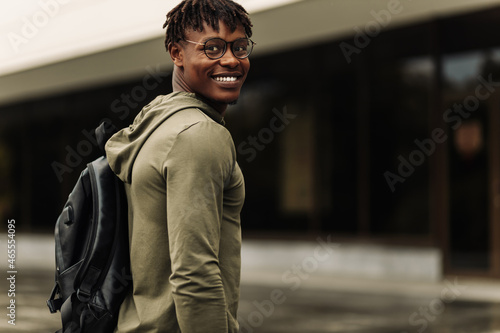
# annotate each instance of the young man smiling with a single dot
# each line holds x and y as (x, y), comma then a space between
(212, 59)
(184, 188)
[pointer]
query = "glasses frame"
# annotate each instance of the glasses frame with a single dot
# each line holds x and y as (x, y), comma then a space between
(225, 47)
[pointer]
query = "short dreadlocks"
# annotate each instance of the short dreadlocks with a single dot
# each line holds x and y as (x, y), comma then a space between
(193, 13)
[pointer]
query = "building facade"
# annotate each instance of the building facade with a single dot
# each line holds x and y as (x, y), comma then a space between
(374, 124)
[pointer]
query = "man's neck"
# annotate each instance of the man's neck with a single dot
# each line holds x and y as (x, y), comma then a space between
(179, 84)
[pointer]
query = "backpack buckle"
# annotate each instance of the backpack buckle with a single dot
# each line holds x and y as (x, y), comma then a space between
(53, 303)
(83, 296)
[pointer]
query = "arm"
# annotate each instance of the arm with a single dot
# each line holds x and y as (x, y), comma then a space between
(196, 167)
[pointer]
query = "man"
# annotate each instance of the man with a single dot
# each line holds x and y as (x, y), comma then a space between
(184, 188)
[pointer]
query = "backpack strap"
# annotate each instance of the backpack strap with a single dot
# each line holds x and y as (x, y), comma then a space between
(71, 315)
(103, 133)
(53, 303)
(104, 217)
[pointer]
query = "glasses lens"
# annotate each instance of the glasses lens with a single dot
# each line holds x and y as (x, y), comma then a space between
(242, 48)
(214, 48)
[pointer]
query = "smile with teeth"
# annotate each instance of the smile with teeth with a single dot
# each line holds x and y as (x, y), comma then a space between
(226, 78)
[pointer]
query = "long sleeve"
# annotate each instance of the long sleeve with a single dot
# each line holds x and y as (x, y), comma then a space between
(185, 192)
(197, 167)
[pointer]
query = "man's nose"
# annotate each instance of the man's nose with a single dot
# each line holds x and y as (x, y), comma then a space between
(229, 60)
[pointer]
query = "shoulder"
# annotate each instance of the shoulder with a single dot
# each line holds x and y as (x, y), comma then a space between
(205, 135)
(204, 143)
(195, 126)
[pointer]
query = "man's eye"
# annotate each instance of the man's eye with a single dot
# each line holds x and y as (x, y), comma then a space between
(212, 48)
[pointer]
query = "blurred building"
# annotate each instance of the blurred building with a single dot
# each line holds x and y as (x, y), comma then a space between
(375, 122)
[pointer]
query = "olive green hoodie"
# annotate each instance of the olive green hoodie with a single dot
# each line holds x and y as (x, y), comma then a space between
(185, 192)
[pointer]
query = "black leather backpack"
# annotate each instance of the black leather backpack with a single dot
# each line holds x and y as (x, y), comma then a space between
(92, 253)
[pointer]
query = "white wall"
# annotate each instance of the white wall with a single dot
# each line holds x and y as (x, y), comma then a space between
(120, 52)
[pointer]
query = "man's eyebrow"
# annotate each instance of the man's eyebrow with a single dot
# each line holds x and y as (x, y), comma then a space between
(208, 38)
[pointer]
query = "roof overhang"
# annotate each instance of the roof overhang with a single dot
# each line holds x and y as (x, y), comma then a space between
(54, 46)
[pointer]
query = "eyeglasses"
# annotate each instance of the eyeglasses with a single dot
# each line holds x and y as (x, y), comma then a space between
(215, 48)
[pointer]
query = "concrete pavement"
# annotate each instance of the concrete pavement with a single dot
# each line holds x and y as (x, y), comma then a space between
(292, 298)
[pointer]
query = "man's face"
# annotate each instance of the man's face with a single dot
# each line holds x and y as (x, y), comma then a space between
(203, 75)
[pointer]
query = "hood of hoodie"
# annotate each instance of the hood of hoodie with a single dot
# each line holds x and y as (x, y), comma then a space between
(124, 146)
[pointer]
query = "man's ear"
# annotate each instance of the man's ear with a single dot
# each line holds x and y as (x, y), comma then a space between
(176, 53)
